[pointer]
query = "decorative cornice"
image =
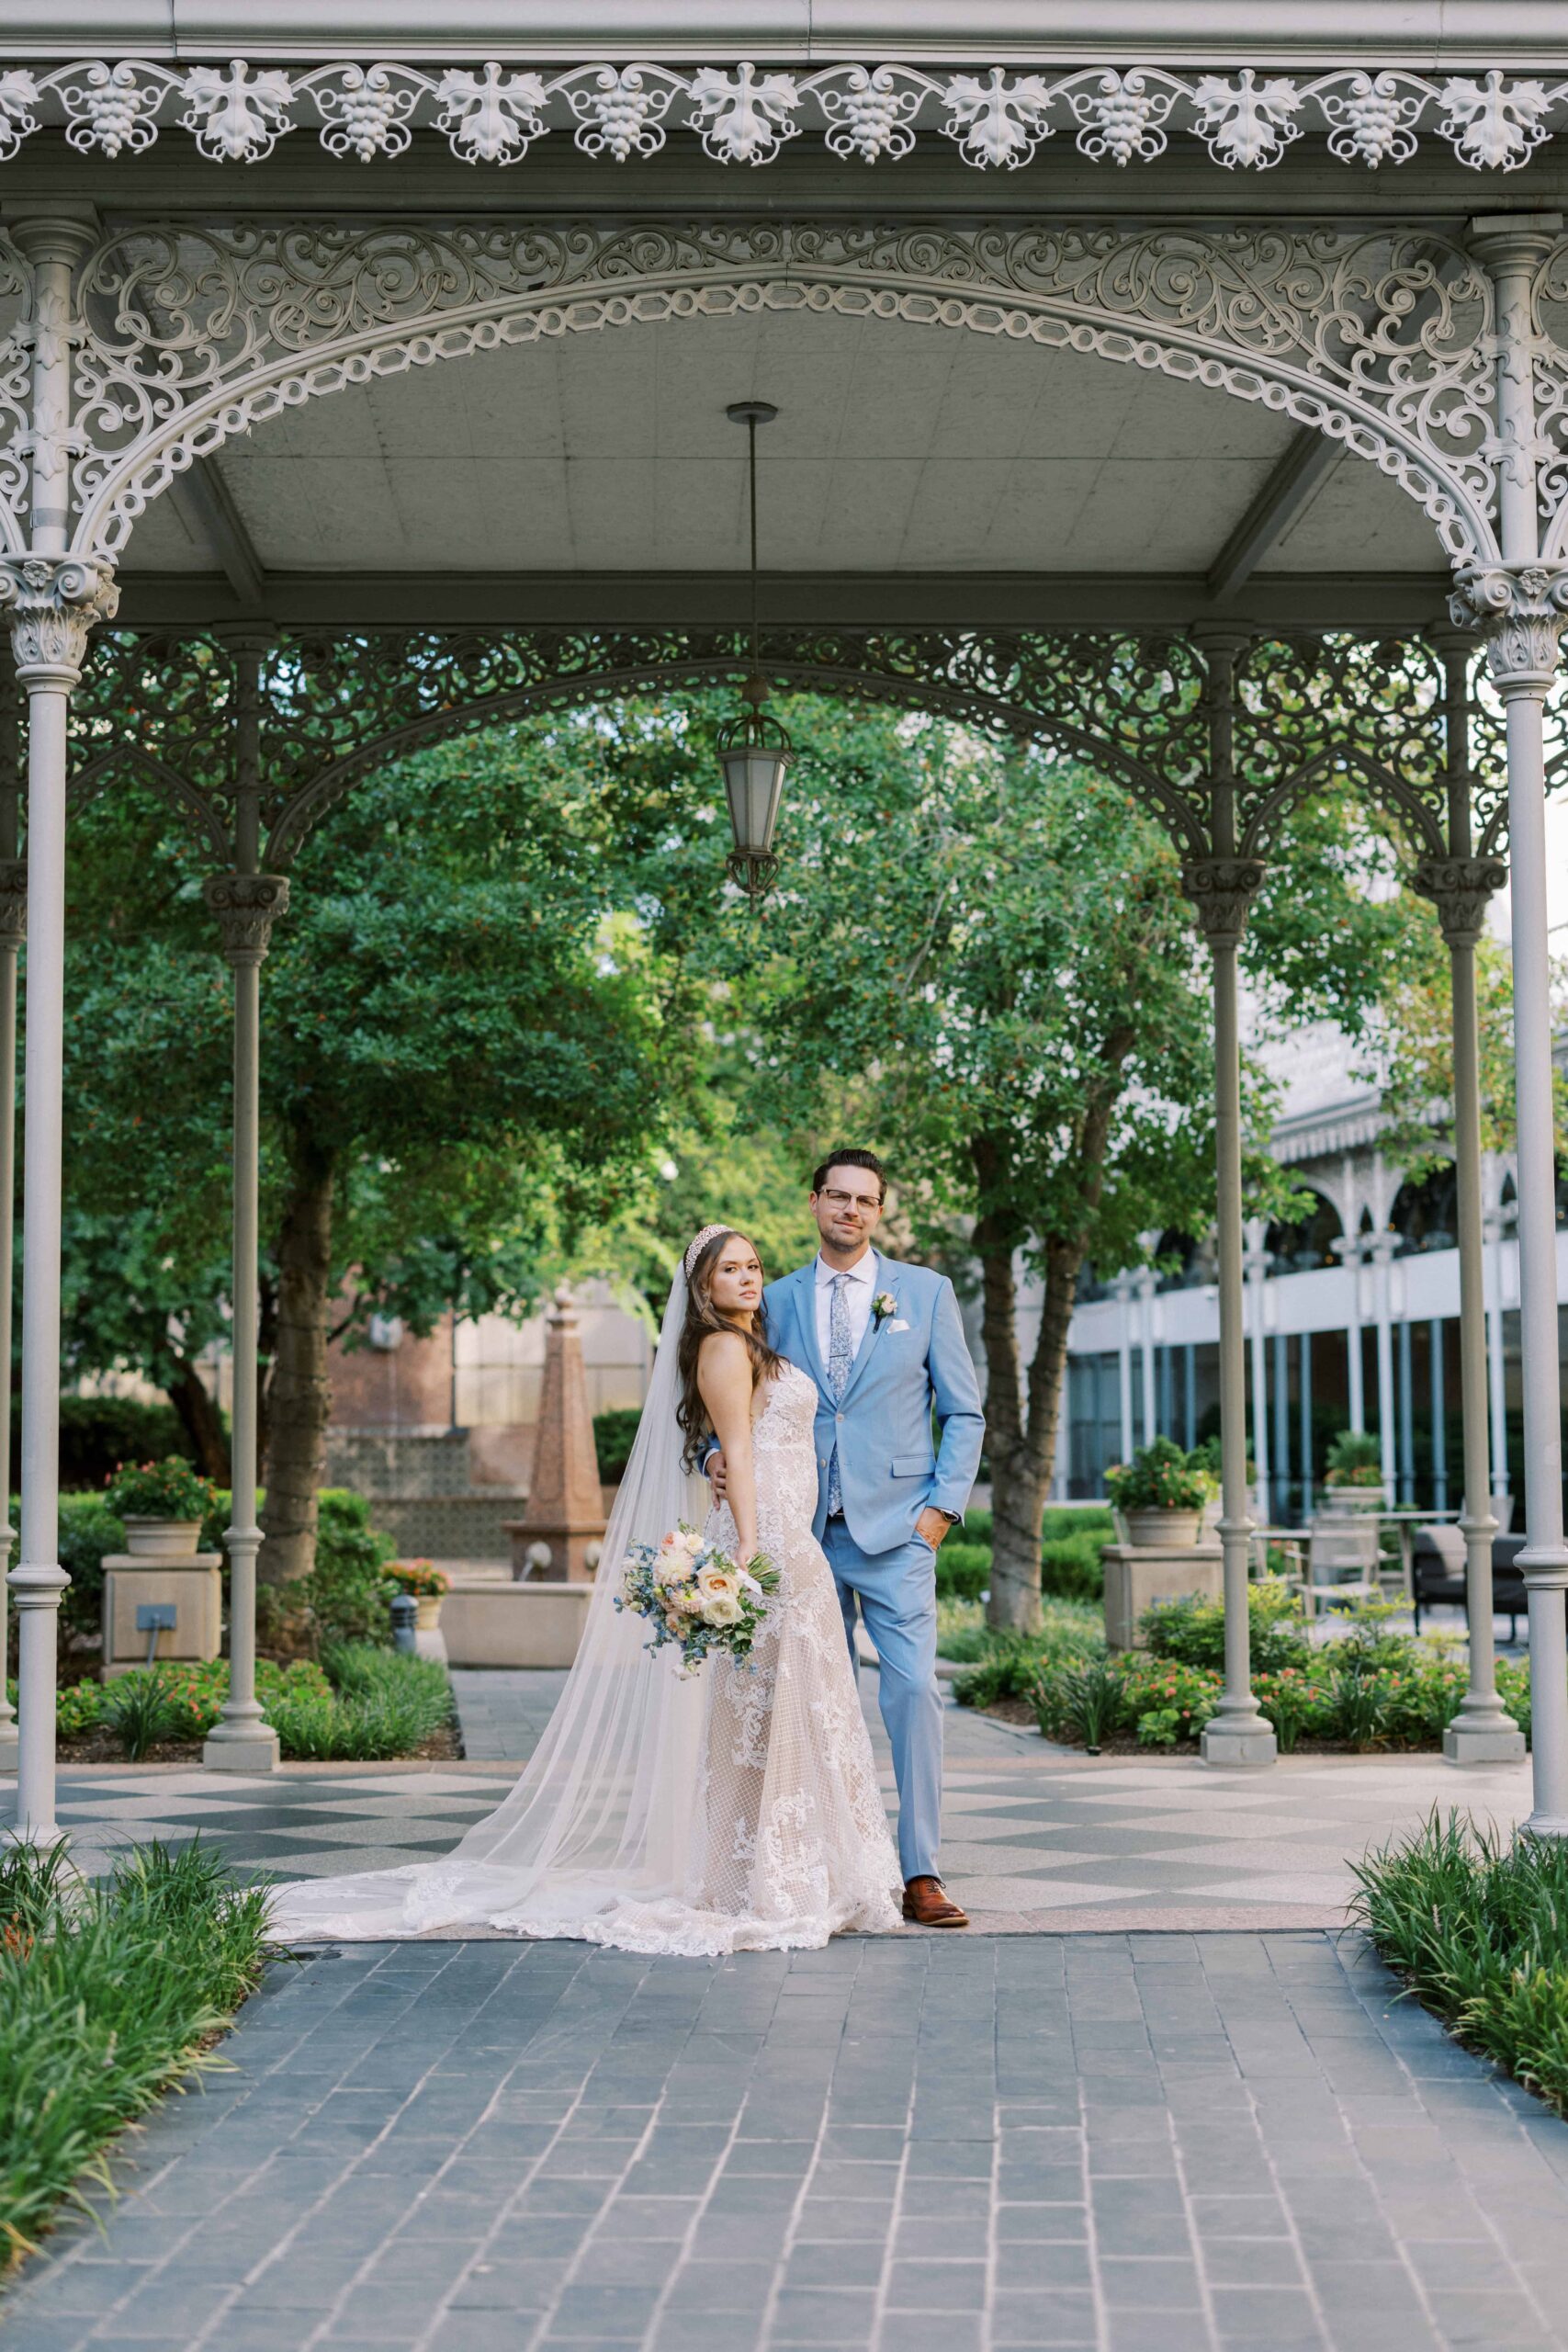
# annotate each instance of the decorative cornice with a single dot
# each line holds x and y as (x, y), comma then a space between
(245, 907)
(743, 113)
(52, 604)
(1519, 609)
(1460, 888)
(1222, 890)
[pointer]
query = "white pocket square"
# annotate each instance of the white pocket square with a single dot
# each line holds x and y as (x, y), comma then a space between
(897, 1327)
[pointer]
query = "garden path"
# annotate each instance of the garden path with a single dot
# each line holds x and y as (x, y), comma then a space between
(1035, 1837)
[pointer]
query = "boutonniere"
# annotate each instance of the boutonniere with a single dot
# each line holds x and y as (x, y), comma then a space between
(883, 1306)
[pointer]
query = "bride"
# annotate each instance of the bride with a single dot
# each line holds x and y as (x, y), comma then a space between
(733, 1809)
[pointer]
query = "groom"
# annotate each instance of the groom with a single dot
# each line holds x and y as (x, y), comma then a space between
(885, 1344)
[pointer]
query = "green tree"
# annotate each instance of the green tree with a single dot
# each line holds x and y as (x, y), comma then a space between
(986, 952)
(466, 1057)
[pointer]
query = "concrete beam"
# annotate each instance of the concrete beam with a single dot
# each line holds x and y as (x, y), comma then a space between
(1008, 601)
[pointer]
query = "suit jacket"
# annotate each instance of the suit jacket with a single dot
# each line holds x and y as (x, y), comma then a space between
(912, 1363)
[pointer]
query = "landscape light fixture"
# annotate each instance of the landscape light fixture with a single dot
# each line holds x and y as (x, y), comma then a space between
(754, 749)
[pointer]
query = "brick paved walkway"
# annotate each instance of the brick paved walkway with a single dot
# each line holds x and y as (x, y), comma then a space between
(1138, 2144)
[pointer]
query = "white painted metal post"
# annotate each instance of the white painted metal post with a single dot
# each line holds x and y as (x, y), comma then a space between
(1255, 1267)
(1124, 1289)
(1520, 605)
(1496, 1381)
(1222, 886)
(1460, 886)
(1381, 1249)
(52, 603)
(246, 905)
(13, 930)
(1146, 1349)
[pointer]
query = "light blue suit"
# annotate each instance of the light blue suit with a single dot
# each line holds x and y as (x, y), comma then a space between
(911, 1365)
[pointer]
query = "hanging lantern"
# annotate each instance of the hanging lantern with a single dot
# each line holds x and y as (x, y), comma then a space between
(754, 749)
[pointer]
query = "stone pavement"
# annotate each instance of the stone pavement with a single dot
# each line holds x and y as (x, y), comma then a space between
(1138, 2143)
(1034, 1836)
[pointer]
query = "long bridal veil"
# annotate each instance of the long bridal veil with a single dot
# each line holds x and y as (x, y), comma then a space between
(605, 1810)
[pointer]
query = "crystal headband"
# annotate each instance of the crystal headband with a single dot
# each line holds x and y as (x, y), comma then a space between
(710, 1233)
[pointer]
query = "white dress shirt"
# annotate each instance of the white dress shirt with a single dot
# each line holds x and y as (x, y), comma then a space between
(858, 1295)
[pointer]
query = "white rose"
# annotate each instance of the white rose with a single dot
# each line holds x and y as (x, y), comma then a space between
(690, 1542)
(713, 1582)
(723, 1608)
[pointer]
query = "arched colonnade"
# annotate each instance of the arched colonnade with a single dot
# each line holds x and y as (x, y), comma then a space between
(1442, 362)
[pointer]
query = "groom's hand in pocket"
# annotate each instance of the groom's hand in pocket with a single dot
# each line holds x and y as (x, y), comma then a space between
(714, 1468)
(934, 1525)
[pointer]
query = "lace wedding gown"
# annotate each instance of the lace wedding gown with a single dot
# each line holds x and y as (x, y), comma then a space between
(774, 1833)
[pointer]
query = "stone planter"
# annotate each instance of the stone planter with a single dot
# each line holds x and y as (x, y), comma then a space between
(1135, 1577)
(1354, 1499)
(161, 1539)
(1162, 1531)
(429, 1607)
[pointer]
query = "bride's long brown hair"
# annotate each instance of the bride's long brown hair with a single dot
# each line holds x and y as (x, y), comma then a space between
(703, 1317)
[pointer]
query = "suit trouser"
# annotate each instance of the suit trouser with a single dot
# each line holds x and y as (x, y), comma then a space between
(897, 1599)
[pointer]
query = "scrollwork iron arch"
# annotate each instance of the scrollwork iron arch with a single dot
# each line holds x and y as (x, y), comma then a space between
(190, 335)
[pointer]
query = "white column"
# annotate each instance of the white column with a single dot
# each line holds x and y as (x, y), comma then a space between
(1349, 1249)
(1497, 1223)
(1146, 1349)
(52, 602)
(1520, 603)
(1380, 1250)
(13, 930)
(245, 906)
(1221, 886)
(1122, 1287)
(1256, 1266)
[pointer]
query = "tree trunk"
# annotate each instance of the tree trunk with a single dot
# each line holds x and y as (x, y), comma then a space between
(298, 1396)
(201, 1420)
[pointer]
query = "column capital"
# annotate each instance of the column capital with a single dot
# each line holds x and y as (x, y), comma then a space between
(1518, 609)
(245, 907)
(13, 901)
(1382, 1247)
(1513, 240)
(1221, 890)
(1461, 890)
(52, 604)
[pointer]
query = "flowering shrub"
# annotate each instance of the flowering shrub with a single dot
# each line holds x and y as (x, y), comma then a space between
(1158, 1478)
(1355, 1459)
(1192, 1629)
(167, 1489)
(418, 1576)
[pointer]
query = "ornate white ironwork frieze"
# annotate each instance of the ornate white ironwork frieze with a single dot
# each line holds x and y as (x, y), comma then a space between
(1520, 611)
(493, 113)
(52, 606)
(1381, 339)
(245, 907)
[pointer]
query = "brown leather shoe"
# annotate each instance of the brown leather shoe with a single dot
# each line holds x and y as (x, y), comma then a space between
(927, 1904)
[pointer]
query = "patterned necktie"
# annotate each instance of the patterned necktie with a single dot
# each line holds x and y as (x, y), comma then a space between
(839, 1356)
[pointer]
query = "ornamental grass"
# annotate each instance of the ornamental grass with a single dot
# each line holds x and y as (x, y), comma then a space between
(1478, 1930)
(361, 1703)
(108, 1994)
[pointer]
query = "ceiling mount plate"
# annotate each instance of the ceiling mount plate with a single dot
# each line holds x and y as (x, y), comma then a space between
(750, 412)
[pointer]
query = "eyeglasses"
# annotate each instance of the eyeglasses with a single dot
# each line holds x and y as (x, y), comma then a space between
(867, 1201)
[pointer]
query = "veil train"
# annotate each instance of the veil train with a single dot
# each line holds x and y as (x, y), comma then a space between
(606, 1809)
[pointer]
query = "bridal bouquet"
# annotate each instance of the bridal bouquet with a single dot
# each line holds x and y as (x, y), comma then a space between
(695, 1595)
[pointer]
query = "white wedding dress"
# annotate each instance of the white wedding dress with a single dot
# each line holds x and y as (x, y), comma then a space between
(736, 1810)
